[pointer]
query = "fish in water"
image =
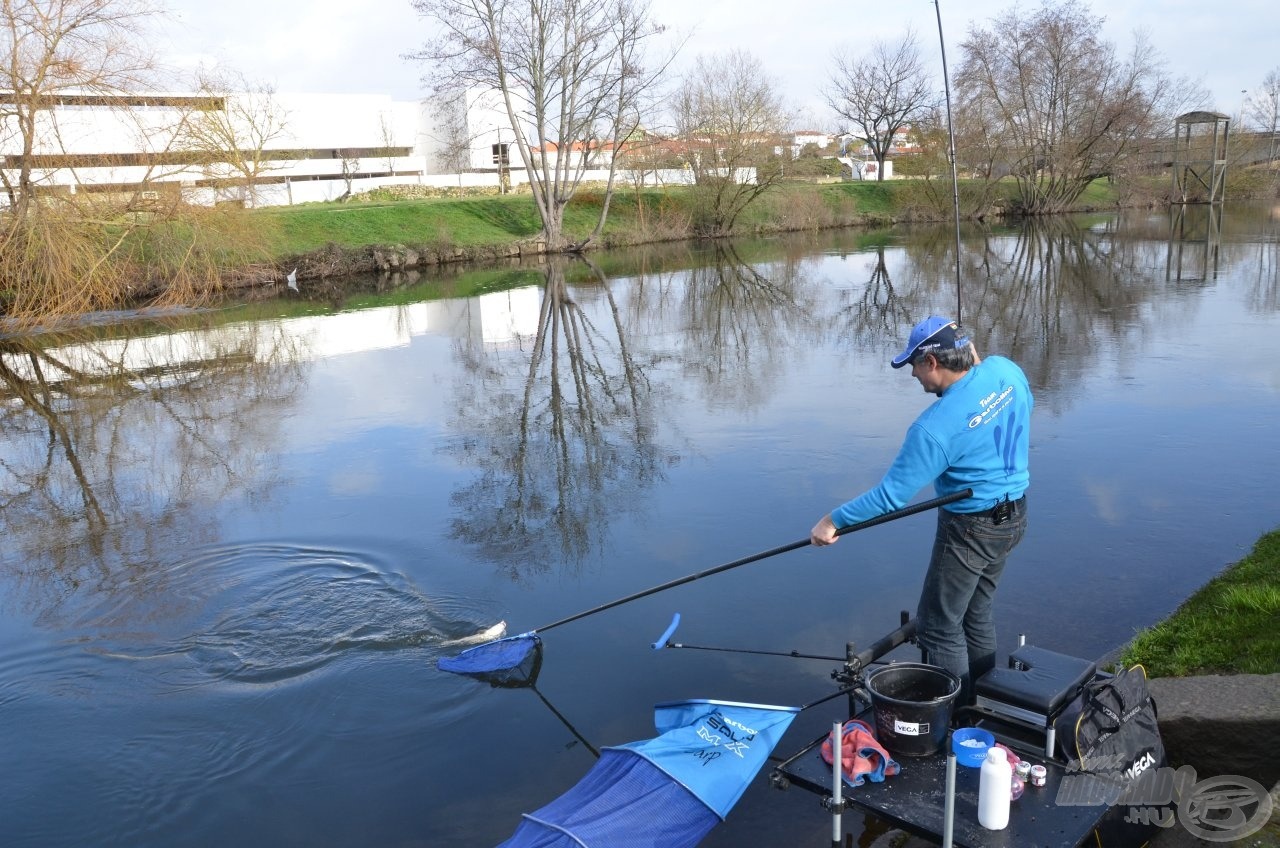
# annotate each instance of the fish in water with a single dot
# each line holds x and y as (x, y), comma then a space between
(497, 631)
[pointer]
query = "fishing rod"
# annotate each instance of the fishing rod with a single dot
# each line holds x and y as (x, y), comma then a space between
(853, 662)
(510, 652)
(923, 506)
(951, 152)
(791, 654)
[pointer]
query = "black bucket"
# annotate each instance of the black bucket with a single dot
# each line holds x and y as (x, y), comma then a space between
(912, 703)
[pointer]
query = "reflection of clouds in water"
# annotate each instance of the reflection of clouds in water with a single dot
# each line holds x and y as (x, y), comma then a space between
(1106, 500)
(264, 614)
(373, 358)
(353, 482)
(1273, 379)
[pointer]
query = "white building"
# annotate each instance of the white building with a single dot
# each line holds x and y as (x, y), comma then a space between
(470, 131)
(818, 138)
(313, 147)
(467, 131)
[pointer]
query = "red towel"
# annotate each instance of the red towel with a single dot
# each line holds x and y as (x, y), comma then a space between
(861, 755)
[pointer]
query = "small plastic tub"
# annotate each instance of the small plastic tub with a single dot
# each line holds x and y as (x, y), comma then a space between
(970, 745)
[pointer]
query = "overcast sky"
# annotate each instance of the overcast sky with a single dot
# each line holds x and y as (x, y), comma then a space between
(357, 46)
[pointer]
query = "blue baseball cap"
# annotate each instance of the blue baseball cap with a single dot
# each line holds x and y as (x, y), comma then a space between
(932, 334)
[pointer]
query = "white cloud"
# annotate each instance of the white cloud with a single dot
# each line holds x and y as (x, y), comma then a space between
(317, 46)
(340, 46)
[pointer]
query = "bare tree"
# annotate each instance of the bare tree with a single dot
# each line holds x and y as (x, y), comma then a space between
(68, 251)
(1057, 105)
(389, 148)
(233, 134)
(881, 93)
(1263, 110)
(729, 115)
(350, 169)
(572, 78)
(53, 50)
(450, 136)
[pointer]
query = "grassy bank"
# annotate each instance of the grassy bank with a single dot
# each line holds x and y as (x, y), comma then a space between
(1228, 627)
(474, 223)
(635, 217)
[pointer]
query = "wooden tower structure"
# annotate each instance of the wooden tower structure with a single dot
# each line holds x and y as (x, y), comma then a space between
(1200, 157)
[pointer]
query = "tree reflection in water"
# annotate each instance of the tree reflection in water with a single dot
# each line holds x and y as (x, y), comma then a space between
(1265, 281)
(876, 309)
(113, 448)
(740, 321)
(1049, 294)
(1056, 295)
(562, 431)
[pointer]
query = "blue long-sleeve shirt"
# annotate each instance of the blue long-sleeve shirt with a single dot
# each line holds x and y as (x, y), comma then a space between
(975, 436)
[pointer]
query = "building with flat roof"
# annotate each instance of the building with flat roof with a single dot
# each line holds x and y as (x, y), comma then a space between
(251, 147)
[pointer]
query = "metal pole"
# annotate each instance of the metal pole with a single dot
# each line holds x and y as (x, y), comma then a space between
(949, 805)
(837, 773)
(951, 153)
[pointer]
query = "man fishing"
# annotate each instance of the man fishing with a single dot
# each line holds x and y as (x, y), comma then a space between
(974, 436)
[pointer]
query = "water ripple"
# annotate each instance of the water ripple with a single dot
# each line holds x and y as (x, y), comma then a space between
(267, 613)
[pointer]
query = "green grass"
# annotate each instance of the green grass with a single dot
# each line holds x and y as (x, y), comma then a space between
(1098, 193)
(1230, 626)
(497, 220)
(458, 222)
(481, 222)
(871, 197)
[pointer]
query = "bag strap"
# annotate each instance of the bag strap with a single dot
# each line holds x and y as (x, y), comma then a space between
(1096, 702)
(1148, 700)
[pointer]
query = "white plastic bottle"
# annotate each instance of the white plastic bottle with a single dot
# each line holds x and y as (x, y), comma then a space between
(993, 790)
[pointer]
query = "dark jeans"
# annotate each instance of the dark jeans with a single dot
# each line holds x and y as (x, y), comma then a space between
(956, 627)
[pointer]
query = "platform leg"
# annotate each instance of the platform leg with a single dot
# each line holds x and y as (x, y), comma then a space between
(949, 804)
(837, 788)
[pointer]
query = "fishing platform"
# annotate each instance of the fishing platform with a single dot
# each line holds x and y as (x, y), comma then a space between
(1017, 705)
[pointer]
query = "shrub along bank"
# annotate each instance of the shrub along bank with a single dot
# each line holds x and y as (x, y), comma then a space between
(381, 231)
(389, 229)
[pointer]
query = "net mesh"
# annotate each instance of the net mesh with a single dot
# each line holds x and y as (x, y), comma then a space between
(625, 801)
(504, 662)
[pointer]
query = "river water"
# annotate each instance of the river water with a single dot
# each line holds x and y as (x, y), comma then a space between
(236, 543)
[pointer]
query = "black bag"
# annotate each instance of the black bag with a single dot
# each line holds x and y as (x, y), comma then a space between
(1110, 739)
(1110, 729)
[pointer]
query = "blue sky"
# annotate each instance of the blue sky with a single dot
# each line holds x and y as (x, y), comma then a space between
(345, 46)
